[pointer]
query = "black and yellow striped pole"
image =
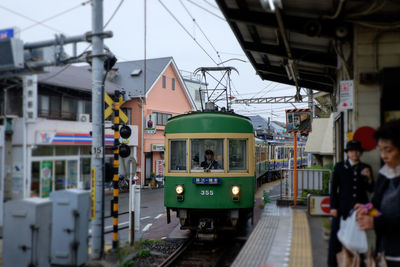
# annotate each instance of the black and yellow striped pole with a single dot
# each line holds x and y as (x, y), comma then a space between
(115, 171)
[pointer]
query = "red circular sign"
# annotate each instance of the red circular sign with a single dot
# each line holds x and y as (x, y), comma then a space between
(365, 135)
(325, 205)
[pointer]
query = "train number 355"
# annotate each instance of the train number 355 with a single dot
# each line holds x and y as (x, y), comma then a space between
(207, 192)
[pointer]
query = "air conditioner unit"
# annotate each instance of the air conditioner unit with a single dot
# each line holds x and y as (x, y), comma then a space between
(84, 118)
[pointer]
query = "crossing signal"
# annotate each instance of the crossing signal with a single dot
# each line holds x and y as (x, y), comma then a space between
(125, 132)
(124, 150)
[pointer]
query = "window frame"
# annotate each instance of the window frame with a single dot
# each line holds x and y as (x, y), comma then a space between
(162, 118)
(169, 155)
(246, 169)
(202, 170)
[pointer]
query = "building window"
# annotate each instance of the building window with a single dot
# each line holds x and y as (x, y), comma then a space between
(164, 81)
(44, 106)
(69, 108)
(173, 84)
(128, 113)
(55, 107)
(161, 118)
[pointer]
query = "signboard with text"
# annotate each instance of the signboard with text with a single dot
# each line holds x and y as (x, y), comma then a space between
(159, 168)
(46, 170)
(93, 195)
(7, 33)
(346, 95)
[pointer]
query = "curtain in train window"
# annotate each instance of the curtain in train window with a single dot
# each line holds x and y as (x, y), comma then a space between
(177, 159)
(238, 155)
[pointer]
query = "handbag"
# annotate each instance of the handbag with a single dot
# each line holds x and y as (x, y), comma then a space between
(379, 261)
(347, 258)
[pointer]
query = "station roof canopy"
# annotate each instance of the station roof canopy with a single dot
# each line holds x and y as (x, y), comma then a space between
(299, 42)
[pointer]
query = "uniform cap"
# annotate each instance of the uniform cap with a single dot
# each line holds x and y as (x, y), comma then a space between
(353, 145)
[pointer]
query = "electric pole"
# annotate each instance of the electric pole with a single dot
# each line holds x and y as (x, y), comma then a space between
(98, 127)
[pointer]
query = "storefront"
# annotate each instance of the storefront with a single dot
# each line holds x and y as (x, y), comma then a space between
(57, 158)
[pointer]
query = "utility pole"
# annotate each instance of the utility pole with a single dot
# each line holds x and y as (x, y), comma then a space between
(98, 127)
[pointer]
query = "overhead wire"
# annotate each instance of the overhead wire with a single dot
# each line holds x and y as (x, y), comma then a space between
(201, 30)
(56, 15)
(205, 9)
(28, 18)
(183, 27)
(208, 3)
(105, 25)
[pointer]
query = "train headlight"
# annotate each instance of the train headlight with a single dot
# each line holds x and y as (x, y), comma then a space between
(235, 190)
(179, 189)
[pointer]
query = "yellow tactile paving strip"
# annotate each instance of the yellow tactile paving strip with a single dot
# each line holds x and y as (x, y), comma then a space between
(301, 252)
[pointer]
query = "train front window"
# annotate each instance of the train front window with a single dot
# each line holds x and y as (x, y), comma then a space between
(177, 157)
(238, 155)
(207, 155)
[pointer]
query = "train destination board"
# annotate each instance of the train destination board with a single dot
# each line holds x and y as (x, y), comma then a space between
(206, 180)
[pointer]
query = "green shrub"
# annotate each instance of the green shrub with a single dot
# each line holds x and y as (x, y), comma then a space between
(143, 253)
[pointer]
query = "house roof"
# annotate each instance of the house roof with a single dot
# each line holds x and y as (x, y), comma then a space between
(280, 124)
(72, 77)
(300, 39)
(320, 140)
(134, 84)
(259, 123)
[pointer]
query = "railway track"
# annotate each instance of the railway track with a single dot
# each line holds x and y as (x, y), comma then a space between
(194, 252)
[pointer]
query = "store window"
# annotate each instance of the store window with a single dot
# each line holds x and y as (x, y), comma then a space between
(238, 155)
(42, 151)
(177, 155)
(199, 150)
(35, 185)
(85, 172)
(60, 175)
(66, 150)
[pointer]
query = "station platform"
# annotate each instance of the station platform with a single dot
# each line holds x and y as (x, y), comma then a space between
(284, 236)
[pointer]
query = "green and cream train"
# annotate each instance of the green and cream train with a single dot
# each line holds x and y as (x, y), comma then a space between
(211, 169)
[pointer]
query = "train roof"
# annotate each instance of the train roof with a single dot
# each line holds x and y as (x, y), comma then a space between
(209, 122)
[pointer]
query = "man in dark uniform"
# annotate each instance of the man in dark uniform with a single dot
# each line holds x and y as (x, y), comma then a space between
(351, 180)
(209, 162)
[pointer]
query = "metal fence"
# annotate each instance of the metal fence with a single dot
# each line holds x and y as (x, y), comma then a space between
(307, 179)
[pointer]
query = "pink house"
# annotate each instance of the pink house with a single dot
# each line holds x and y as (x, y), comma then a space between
(165, 95)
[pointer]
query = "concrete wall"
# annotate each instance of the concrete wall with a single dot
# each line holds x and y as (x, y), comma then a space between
(373, 51)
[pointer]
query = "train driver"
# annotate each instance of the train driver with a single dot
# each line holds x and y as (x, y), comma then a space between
(209, 162)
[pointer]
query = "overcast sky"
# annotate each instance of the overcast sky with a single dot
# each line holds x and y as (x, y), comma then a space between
(165, 37)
